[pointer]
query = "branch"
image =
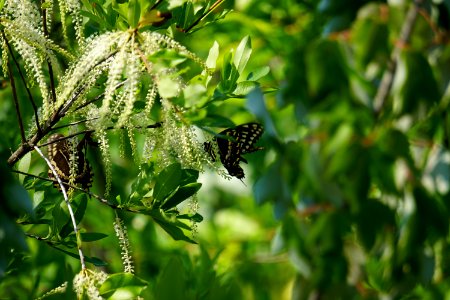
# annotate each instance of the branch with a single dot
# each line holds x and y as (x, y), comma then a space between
(66, 199)
(388, 76)
(26, 146)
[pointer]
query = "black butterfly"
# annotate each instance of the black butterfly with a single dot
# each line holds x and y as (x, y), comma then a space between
(232, 143)
(59, 153)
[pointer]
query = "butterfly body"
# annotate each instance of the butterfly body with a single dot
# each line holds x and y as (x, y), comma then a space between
(60, 152)
(232, 143)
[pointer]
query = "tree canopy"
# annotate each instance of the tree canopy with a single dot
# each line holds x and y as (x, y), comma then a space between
(224, 149)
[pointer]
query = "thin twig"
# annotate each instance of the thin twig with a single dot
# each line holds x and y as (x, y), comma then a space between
(73, 123)
(66, 199)
(22, 77)
(16, 103)
(213, 7)
(99, 96)
(49, 65)
(388, 76)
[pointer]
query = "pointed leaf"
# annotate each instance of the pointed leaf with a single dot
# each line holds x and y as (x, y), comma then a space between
(245, 87)
(134, 13)
(174, 231)
(212, 56)
(167, 181)
(258, 73)
(92, 236)
(79, 214)
(242, 55)
(24, 166)
(93, 260)
(181, 194)
(172, 281)
(124, 283)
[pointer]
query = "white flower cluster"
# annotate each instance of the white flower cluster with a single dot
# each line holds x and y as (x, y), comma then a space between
(87, 283)
(122, 235)
(58, 290)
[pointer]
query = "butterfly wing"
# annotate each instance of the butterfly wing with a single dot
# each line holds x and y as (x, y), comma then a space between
(208, 147)
(235, 142)
(59, 153)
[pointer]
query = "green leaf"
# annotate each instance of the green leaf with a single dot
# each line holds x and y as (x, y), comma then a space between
(258, 73)
(121, 9)
(81, 201)
(256, 105)
(124, 284)
(188, 176)
(227, 66)
(213, 120)
(232, 82)
(93, 260)
(372, 220)
(168, 87)
(134, 13)
(92, 236)
(432, 211)
(192, 217)
(321, 57)
(186, 17)
(417, 86)
(170, 225)
(212, 56)
(59, 217)
(172, 281)
(24, 166)
(242, 55)
(370, 36)
(141, 186)
(175, 232)
(91, 16)
(245, 87)
(167, 181)
(181, 194)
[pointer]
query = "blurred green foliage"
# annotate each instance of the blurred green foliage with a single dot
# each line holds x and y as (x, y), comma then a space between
(348, 201)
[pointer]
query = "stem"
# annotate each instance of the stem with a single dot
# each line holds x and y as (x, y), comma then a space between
(388, 76)
(66, 199)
